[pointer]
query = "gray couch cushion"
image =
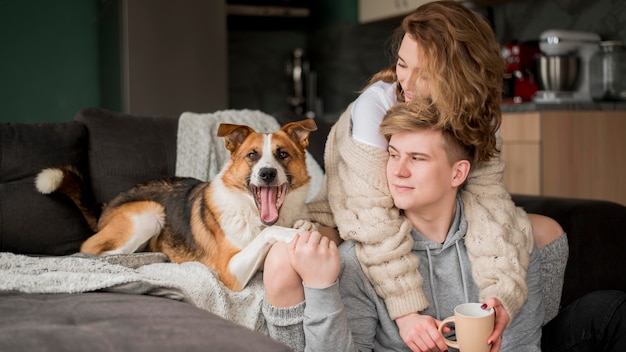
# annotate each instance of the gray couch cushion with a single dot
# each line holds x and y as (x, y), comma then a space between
(30, 222)
(118, 322)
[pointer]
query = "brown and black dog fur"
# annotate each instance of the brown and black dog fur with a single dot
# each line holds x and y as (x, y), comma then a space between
(228, 224)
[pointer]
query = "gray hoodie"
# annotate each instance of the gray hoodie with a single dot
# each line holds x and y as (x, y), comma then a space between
(355, 318)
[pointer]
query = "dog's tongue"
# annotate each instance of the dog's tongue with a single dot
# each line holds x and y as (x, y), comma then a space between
(269, 210)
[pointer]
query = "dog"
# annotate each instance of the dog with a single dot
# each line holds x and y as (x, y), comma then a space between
(228, 224)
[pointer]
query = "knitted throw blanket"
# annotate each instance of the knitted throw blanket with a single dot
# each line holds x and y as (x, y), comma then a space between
(356, 199)
(200, 153)
(139, 273)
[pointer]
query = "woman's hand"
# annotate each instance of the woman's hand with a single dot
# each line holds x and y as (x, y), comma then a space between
(502, 320)
(315, 258)
(420, 332)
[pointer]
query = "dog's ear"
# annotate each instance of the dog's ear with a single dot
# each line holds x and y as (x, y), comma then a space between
(234, 135)
(299, 131)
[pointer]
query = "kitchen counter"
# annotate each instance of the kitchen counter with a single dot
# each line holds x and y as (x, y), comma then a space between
(532, 106)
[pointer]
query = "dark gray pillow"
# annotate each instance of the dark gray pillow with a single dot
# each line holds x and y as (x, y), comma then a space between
(30, 222)
(125, 150)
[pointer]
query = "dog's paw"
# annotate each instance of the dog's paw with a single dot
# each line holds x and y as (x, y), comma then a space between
(279, 233)
(305, 225)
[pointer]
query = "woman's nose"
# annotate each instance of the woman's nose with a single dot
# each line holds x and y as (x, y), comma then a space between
(409, 83)
(405, 81)
(412, 80)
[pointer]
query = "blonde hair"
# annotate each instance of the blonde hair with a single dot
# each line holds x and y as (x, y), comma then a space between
(424, 115)
(464, 68)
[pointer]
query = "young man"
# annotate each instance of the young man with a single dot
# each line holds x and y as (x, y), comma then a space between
(426, 168)
(427, 165)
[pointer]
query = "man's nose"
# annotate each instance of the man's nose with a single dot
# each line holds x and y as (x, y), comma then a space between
(401, 170)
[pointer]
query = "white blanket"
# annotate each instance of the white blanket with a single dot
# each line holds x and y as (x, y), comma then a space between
(139, 273)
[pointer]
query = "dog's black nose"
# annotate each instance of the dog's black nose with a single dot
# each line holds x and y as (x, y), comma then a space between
(267, 174)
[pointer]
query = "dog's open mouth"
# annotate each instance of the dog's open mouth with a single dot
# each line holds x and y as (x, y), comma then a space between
(268, 201)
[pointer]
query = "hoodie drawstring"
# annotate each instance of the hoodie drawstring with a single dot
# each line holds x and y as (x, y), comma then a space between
(458, 253)
(432, 284)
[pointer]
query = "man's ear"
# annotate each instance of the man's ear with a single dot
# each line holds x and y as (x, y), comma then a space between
(460, 170)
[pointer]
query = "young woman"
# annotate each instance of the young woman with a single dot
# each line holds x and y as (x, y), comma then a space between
(449, 55)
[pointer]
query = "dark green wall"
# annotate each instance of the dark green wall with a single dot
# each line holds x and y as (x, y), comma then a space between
(48, 59)
(334, 12)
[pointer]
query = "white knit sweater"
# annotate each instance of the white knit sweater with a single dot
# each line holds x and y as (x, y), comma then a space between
(355, 198)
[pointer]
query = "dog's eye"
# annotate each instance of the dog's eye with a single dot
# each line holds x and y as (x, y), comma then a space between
(282, 154)
(253, 155)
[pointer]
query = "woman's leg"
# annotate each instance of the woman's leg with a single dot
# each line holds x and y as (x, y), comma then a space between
(553, 251)
(595, 322)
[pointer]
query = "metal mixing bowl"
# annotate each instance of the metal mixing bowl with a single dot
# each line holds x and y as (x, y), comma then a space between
(558, 72)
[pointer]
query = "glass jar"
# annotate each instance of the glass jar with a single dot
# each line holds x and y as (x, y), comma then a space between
(608, 72)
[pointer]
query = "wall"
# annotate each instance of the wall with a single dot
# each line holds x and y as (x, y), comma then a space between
(49, 59)
(156, 57)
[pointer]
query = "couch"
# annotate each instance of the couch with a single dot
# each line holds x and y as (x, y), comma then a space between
(115, 151)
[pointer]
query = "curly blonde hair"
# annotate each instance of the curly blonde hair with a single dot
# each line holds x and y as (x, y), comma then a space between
(464, 67)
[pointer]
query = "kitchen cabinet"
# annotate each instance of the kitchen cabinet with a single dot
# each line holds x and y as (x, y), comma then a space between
(364, 11)
(577, 154)
(374, 10)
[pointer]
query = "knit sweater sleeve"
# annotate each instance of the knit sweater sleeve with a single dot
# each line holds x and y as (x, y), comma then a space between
(363, 210)
(499, 237)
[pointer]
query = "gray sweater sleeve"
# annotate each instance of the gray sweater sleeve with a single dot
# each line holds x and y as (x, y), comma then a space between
(325, 324)
(524, 332)
(318, 324)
